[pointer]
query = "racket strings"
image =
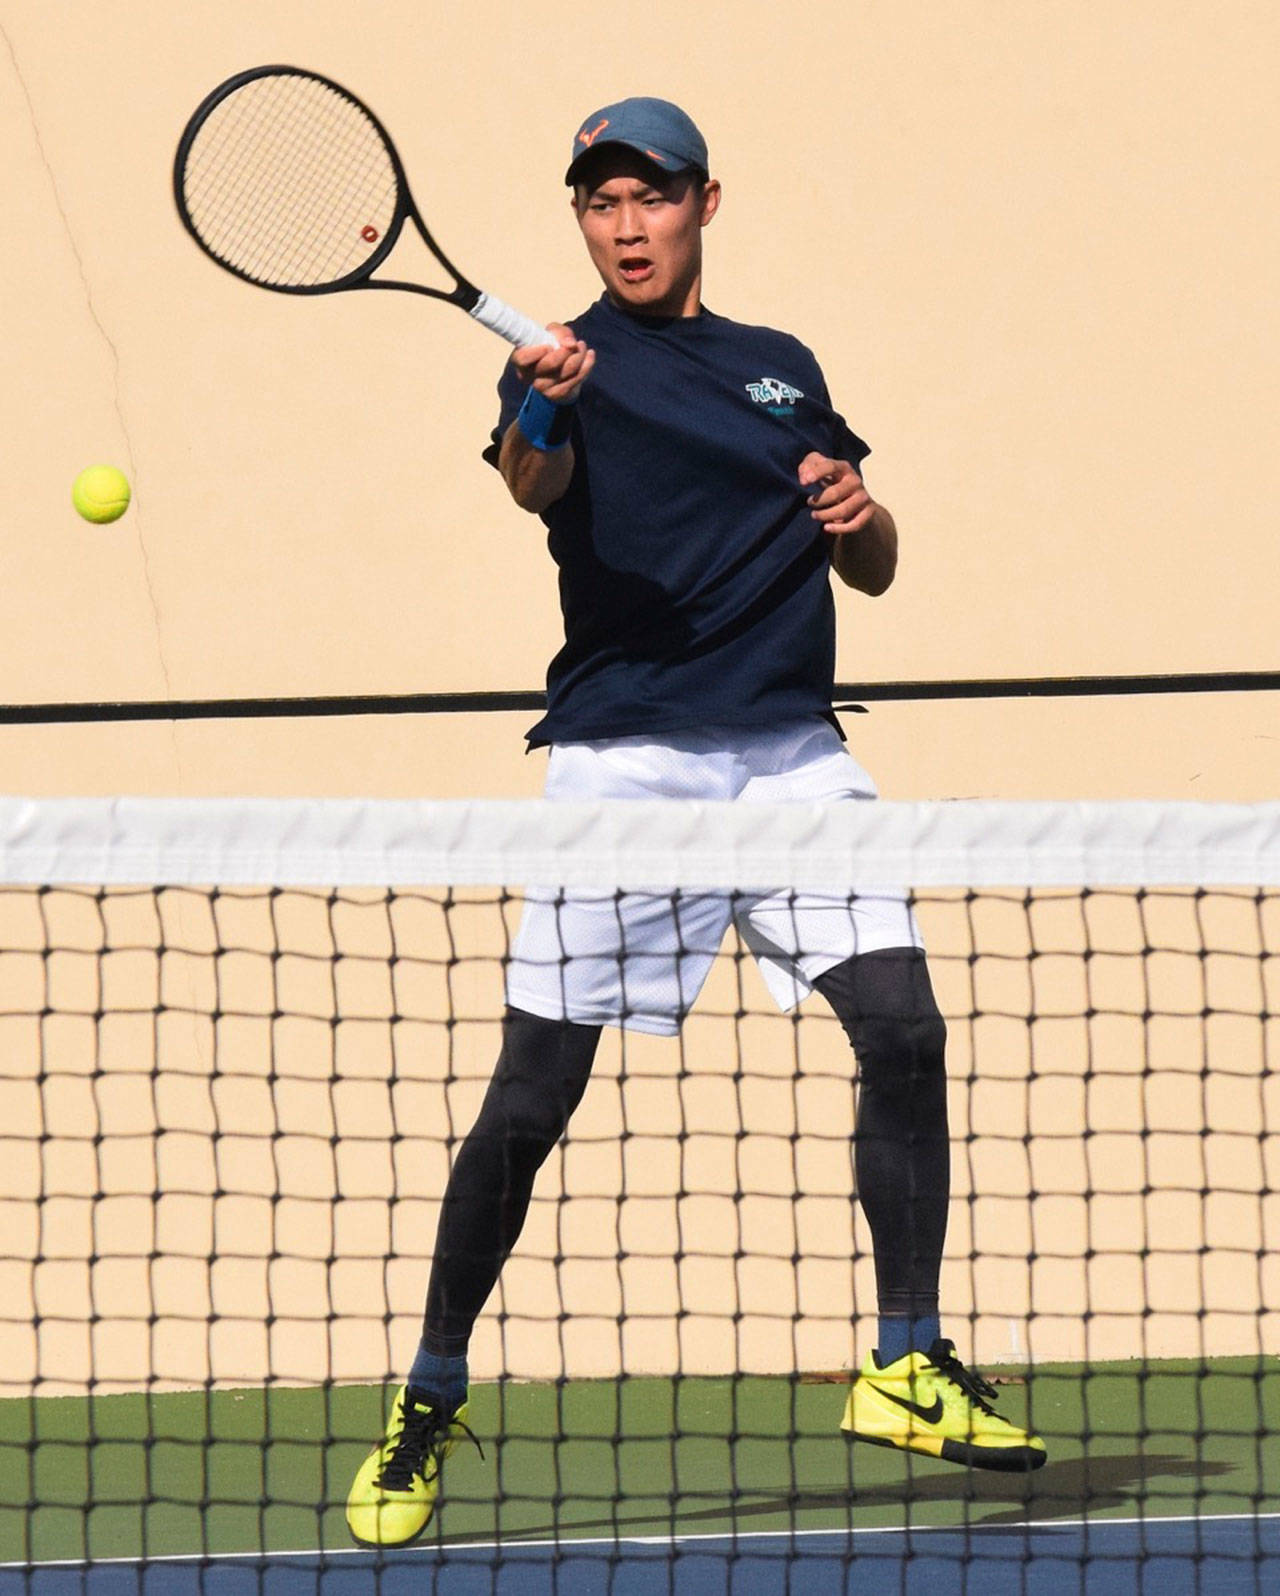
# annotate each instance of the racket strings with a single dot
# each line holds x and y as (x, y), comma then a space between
(349, 193)
(290, 183)
(237, 179)
(214, 179)
(361, 198)
(314, 173)
(231, 218)
(331, 175)
(278, 203)
(211, 169)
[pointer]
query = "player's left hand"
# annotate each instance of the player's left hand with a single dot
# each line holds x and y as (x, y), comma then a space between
(838, 500)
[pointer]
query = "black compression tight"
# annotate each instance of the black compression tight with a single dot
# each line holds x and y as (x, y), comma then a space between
(902, 1158)
(540, 1077)
(902, 1154)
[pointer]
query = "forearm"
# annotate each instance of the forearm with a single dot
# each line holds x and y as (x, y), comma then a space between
(867, 559)
(535, 458)
(535, 478)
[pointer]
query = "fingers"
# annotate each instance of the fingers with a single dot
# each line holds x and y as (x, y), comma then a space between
(843, 506)
(817, 472)
(840, 518)
(530, 357)
(557, 371)
(814, 466)
(541, 360)
(563, 385)
(838, 501)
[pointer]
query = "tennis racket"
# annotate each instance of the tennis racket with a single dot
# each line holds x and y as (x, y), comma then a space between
(287, 180)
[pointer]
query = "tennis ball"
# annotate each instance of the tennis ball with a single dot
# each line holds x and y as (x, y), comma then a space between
(101, 493)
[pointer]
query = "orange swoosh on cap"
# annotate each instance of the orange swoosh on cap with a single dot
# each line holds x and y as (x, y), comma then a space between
(589, 138)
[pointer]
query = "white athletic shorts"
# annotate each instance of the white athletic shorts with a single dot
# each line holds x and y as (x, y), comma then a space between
(639, 960)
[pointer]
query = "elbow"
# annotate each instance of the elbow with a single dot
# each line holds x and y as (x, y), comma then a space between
(880, 580)
(527, 489)
(535, 481)
(881, 564)
(528, 496)
(865, 567)
(538, 495)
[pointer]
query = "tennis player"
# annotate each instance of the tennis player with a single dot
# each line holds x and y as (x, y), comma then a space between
(698, 490)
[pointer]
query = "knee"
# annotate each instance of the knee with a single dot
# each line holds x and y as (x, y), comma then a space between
(886, 1005)
(901, 1050)
(541, 1075)
(519, 1115)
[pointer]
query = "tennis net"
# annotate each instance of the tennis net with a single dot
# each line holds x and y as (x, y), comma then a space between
(242, 1041)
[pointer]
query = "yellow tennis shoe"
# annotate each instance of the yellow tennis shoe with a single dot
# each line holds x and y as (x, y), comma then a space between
(930, 1403)
(394, 1492)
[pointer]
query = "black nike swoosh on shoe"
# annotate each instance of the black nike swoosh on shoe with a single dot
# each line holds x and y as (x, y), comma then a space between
(929, 1415)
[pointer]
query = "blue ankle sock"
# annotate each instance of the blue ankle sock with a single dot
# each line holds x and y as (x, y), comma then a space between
(444, 1377)
(899, 1335)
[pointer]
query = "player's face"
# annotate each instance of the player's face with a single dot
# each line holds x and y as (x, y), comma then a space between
(643, 231)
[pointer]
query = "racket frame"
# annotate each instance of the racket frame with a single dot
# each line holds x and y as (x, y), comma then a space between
(465, 294)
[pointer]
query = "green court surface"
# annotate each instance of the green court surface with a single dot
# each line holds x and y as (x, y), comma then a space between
(249, 1470)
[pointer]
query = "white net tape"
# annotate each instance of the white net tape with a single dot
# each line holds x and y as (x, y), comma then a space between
(337, 842)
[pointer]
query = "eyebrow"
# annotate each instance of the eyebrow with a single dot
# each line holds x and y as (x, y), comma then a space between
(643, 190)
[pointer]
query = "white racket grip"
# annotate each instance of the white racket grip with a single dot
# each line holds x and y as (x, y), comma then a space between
(516, 328)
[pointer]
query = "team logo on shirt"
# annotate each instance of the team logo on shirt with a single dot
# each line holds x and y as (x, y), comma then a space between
(779, 397)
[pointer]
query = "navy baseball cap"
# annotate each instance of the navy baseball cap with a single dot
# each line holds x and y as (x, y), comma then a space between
(662, 132)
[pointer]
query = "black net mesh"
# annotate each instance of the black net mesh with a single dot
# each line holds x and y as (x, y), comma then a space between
(227, 1119)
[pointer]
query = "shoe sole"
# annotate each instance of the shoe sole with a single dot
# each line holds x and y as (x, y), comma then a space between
(1001, 1459)
(388, 1546)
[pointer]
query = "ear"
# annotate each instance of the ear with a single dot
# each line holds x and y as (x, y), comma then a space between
(578, 201)
(710, 200)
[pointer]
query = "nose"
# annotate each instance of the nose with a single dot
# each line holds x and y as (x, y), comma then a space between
(629, 228)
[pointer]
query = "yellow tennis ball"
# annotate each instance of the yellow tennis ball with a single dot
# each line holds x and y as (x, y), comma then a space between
(101, 493)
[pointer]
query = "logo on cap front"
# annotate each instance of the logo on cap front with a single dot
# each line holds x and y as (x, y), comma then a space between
(589, 136)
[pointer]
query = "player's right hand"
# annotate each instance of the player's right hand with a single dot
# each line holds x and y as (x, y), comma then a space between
(557, 372)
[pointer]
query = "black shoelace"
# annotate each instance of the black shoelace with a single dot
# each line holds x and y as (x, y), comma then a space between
(942, 1354)
(426, 1429)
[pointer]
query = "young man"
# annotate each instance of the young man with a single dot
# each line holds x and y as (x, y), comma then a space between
(698, 489)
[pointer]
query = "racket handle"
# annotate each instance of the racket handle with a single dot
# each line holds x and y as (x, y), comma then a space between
(517, 329)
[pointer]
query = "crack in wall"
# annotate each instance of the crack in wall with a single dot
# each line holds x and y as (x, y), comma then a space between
(139, 519)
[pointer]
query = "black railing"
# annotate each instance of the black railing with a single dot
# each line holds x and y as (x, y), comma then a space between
(848, 695)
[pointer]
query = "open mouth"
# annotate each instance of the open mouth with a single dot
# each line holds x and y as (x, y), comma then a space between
(635, 269)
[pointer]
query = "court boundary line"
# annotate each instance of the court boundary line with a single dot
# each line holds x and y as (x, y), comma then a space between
(696, 1537)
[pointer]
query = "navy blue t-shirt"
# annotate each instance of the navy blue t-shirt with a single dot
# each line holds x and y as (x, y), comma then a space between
(694, 583)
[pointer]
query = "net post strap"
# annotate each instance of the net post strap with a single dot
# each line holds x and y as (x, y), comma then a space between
(640, 844)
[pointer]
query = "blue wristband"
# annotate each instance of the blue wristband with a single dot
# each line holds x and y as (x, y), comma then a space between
(544, 423)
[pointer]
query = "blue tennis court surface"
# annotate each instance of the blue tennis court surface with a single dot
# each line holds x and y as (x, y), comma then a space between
(1223, 1556)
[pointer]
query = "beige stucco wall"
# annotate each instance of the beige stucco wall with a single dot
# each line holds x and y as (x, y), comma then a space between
(1034, 247)
(1031, 244)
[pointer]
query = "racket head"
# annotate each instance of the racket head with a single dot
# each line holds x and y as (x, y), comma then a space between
(287, 180)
